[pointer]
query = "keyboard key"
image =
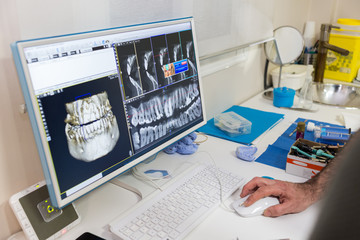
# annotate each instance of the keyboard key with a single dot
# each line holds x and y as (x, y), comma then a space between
(136, 235)
(162, 234)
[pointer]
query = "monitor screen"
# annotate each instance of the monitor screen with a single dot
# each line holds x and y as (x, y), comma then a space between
(101, 102)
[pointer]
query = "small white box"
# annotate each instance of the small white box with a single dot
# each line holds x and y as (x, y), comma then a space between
(292, 76)
(232, 124)
(303, 167)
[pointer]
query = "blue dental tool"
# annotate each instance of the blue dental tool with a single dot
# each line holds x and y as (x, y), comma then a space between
(157, 173)
(303, 152)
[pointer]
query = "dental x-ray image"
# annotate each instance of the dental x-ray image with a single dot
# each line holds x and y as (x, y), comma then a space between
(146, 64)
(188, 52)
(175, 52)
(129, 70)
(161, 56)
(91, 128)
(173, 41)
(163, 112)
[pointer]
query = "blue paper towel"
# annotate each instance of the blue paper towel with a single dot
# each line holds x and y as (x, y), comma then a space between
(276, 154)
(261, 122)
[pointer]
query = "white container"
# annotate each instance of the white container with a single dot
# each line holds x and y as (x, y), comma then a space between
(292, 76)
(232, 124)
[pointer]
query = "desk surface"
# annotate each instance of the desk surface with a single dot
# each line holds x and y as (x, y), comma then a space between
(101, 206)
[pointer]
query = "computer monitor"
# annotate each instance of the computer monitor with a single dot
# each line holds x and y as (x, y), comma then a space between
(101, 102)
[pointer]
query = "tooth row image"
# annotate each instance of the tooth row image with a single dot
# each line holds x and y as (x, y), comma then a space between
(163, 112)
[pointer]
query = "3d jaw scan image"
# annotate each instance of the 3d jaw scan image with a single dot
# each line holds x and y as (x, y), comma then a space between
(91, 128)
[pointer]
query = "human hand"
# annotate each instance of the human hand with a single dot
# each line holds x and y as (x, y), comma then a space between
(293, 197)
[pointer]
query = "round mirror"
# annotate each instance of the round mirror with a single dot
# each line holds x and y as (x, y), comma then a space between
(287, 46)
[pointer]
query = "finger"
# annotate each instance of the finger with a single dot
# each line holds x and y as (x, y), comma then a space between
(278, 210)
(261, 192)
(253, 185)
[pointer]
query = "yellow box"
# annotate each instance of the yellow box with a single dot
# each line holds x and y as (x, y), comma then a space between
(344, 68)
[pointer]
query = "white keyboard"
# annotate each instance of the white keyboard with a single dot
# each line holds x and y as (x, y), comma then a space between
(177, 210)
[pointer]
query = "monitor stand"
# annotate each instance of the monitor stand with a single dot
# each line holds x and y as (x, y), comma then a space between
(118, 181)
(160, 168)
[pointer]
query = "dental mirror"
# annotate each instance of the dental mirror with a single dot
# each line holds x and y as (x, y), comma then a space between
(286, 48)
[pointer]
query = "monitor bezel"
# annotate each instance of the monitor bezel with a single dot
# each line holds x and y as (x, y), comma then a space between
(35, 115)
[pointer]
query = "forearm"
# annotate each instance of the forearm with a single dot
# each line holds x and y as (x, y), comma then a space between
(319, 184)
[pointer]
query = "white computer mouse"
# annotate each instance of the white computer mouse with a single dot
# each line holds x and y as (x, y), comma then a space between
(256, 209)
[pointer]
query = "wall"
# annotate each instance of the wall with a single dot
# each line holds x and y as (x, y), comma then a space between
(19, 162)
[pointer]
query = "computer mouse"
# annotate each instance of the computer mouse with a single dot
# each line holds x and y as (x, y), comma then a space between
(256, 209)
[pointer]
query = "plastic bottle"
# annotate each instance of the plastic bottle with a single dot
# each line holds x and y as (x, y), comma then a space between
(300, 130)
(332, 133)
(309, 36)
(338, 134)
(306, 92)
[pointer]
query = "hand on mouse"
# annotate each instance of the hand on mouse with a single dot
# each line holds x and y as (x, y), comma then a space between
(296, 197)
(293, 197)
